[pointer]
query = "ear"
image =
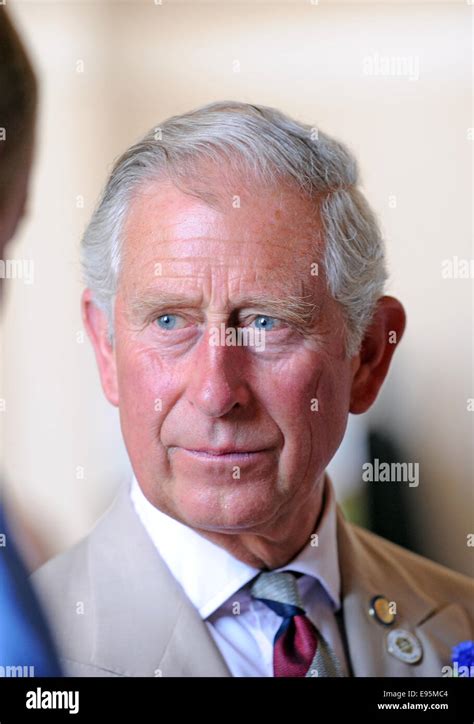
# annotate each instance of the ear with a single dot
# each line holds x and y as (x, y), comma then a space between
(370, 365)
(97, 326)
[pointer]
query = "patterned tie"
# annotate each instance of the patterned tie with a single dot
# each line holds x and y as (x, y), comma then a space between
(298, 647)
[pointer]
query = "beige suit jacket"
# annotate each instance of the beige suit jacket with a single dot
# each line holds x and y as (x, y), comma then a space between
(116, 610)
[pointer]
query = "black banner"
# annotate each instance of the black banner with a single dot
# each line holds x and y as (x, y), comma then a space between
(215, 699)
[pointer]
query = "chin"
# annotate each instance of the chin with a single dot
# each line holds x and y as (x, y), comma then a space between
(222, 510)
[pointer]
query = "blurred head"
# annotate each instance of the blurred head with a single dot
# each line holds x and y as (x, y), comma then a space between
(18, 95)
(236, 217)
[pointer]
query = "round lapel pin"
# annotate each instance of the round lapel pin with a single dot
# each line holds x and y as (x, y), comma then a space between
(382, 610)
(404, 646)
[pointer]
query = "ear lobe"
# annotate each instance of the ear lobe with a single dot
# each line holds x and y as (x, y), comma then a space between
(376, 352)
(97, 326)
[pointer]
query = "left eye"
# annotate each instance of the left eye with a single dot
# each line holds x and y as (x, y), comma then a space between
(170, 321)
(265, 323)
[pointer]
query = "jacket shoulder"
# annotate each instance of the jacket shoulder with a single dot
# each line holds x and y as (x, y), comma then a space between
(438, 581)
(65, 578)
(64, 590)
(64, 573)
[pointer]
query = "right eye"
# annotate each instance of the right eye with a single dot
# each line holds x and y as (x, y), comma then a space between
(170, 321)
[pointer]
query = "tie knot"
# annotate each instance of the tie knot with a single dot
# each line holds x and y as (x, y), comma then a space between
(279, 590)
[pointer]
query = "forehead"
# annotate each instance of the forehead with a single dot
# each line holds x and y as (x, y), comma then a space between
(264, 235)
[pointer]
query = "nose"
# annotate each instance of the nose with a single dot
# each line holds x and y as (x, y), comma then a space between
(217, 383)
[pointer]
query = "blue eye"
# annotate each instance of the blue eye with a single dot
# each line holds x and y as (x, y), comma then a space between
(166, 321)
(267, 322)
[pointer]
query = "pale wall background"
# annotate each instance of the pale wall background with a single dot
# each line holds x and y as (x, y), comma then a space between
(108, 72)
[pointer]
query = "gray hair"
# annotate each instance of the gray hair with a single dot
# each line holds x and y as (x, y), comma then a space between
(274, 148)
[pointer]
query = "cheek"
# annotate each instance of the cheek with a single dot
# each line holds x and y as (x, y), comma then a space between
(143, 391)
(310, 401)
(329, 415)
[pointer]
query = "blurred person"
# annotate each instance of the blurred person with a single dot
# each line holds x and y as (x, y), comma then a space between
(235, 302)
(26, 646)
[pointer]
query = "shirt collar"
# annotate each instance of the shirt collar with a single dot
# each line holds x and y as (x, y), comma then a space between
(209, 575)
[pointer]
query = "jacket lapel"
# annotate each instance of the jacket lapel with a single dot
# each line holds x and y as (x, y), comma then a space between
(367, 572)
(144, 623)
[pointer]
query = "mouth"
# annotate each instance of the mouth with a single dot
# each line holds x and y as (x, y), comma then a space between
(225, 455)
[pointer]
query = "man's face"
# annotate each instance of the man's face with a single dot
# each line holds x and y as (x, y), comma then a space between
(188, 268)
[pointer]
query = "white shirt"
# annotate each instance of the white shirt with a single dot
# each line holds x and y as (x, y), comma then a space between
(218, 586)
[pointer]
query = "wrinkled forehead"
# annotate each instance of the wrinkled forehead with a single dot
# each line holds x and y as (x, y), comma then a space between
(256, 236)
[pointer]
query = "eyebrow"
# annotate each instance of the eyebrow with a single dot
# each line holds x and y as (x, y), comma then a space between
(301, 311)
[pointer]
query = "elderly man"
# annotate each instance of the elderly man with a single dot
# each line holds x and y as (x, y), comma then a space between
(228, 555)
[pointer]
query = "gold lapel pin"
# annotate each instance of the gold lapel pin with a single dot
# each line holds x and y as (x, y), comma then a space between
(404, 646)
(383, 610)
